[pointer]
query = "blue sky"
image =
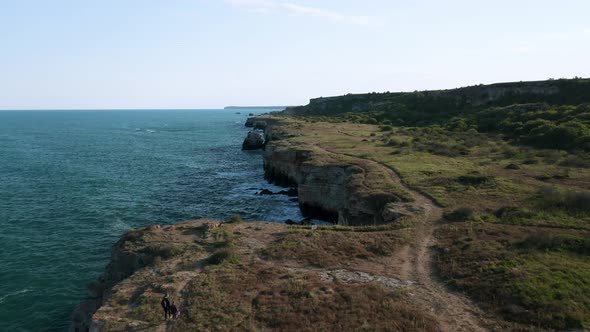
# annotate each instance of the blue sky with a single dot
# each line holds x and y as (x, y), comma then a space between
(211, 53)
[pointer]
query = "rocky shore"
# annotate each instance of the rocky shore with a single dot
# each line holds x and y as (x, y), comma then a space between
(152, 260)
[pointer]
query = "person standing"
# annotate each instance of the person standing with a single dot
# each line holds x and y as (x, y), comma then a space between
(166, 306)
(174, 311)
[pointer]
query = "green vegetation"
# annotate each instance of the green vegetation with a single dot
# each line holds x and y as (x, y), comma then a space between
(223, 255)
(235, 220)
(512, 171)
(311, 247)
(541, 278)
(259, 296)
(549, 114)
(270, 285)
(509, 164)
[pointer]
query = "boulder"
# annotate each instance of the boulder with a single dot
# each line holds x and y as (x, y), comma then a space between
(250, 122)
(253, 141)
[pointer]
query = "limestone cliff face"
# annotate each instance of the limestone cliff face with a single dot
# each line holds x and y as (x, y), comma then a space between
(561, 92)
(329, 187)
(492, 93)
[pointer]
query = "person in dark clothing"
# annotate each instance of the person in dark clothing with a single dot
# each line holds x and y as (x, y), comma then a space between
(166, 306)
(174, 311)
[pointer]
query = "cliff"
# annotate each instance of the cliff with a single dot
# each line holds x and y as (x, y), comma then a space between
(439, 106)
(180, 259)
(334, 187)
(254, 276)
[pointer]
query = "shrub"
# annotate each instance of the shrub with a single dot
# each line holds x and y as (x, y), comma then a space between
(460, 214)
(386, 128)
(512, 213)
(546, 241)
(221, 256)
(235, 220)
(575, 161)
(394, 142)
(164, 251)
(577, 200)
(476, 180)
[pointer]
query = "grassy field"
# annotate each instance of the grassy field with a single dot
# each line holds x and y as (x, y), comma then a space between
(518, 217)
(264, 277)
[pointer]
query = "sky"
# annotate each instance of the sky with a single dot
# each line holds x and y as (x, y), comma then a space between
(112, 54)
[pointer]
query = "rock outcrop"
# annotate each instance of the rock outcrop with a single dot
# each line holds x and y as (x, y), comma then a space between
(253, 141)
(250, 122)
(256, 123)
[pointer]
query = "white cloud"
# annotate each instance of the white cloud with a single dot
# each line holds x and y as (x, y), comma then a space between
(292, 9)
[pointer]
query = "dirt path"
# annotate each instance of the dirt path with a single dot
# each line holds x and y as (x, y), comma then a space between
(454, 311)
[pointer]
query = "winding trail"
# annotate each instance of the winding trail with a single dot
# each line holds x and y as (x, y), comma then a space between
(454, 311)
(414, 263)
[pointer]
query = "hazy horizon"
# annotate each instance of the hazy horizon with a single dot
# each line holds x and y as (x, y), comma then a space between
(207, 54)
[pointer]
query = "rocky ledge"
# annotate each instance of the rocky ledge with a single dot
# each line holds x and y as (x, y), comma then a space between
(253, 277)
(331, 186)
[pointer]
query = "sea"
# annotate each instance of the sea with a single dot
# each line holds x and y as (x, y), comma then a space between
(72, 182)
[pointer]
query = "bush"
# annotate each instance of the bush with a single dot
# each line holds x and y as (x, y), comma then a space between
(235, 220)
(221, 256)
(460, 214)
(511, 214)
(575, 161)
(386, 128)
(394, 142)
(577, 200)
(546, 241)
(477, 180)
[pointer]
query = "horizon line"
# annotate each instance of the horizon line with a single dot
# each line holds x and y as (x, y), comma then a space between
(123, 109)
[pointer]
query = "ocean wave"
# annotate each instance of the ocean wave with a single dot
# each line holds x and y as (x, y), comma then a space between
(22, 291)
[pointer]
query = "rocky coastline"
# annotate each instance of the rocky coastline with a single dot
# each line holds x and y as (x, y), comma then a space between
(329, 187)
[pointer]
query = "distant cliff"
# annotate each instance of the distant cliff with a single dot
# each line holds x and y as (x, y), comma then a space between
(427, 107)
(255, 107)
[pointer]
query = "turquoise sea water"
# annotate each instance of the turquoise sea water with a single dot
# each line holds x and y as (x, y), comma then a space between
(71, 182)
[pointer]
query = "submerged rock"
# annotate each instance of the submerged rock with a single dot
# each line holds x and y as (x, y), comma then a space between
(253, 141)
(292, 192)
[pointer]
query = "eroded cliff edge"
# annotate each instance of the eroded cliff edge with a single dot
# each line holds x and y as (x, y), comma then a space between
(342, 189)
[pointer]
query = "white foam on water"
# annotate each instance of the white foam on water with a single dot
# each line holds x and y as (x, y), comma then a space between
(119, 226)
(22, 291)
